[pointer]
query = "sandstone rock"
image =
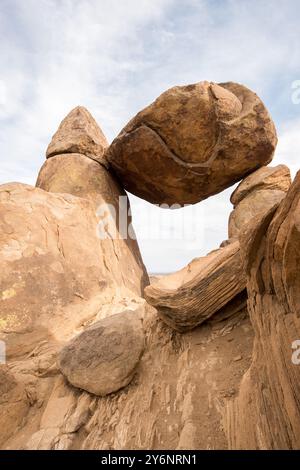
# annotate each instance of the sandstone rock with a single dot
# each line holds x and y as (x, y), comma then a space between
(79, 133)
(276, 178)
(256, 194)
(55, 270)
(254, 204)
(193, 142)
(104, 357)
(14, 404)
(75, 174)
(266, 414)
(190, 296)
(180, 377)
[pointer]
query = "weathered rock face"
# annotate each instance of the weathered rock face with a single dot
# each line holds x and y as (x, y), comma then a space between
(75, 174)
(60, 272)
(266, 414)
(14, 403)
(275, 178)
(72, 315)
(190, 296)
(175, 400)
(54, 267)
(193, 142)
(104, 357)
(256, 195)
(79, 133)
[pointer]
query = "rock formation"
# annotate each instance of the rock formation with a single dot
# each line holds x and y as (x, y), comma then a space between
(79, 133)
(256, 195)
(193, 142)
(187, 298)
(266, 413)
(58, 273)
(103, 358)
(90, 363)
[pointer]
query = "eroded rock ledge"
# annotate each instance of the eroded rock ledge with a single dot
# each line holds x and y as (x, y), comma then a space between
(188, 297)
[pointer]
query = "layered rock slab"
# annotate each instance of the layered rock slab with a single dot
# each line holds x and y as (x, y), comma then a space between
(193, 142)
(190, 296)
(266, 413)
(104, 357)
(256, 195)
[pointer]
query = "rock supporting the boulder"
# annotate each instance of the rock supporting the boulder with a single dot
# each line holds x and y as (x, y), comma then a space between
(79, 133)
(104, 357)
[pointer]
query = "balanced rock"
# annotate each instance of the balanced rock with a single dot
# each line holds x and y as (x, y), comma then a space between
(190, 296)
(193, 142)
(103, 358)
(79, 133)
(256, 194)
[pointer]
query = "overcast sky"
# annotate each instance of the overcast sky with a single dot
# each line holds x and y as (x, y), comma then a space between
(115, 57)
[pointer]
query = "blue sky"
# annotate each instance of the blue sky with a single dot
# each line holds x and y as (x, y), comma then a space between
(115, 57)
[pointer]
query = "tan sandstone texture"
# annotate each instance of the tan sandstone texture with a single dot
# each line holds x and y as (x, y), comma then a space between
(78, 133)
(193, 142)
(90, 363)
(103, 358)
(187, 298)
(58, 276)
(256, 195)
(266, 413)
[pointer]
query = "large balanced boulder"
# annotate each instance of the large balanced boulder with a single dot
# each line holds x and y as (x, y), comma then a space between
(256, 195)
(187, 298)
(78, 133)
(193, 142)
(104, 357)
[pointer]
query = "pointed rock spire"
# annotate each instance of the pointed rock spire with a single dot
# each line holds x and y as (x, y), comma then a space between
(78, 133)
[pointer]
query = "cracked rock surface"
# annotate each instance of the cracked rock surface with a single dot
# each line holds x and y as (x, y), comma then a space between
(193, 142)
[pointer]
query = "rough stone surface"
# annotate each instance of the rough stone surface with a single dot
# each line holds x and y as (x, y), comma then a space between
(256, 195)
(255, 204)
(60, 283)
(54, 266)
(14, 403)
(183, 381)
(193, 142)
(75, 174)
(78, 133)
(266, 413)
(104, 357)
(190, 296)
(275, 178)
